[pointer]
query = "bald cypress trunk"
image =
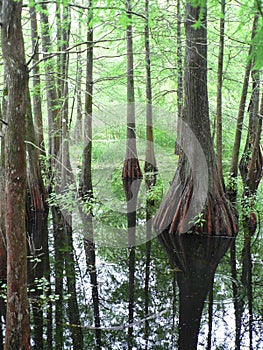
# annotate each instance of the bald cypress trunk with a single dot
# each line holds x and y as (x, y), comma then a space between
(131, 168)
(219, 122)
(150, 166)
(196, 190)
(180, 85)
(86, 186)
(17, 317)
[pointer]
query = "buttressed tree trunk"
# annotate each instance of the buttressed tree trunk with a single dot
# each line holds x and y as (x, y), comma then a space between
(131, 168)
(196, 200)
(17, 317)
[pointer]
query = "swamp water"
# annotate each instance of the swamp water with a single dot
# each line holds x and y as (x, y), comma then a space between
(165, 292)
(175, 292)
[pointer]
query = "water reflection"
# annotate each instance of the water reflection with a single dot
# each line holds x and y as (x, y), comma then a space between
(173, 292)
(195, 259)
(131, 188)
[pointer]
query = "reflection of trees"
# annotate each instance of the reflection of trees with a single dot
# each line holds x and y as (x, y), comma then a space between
(92, 270)
(38, 268)
(243, 289)
(131, 188)
(195, 259)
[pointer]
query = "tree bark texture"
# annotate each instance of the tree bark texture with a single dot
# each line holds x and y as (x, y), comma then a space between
(86, 176)
(78, 130)
(150, 167)
(37, 190)
(3, 256)
(37, 108)
(180, 85)
(131, 167)
(219, 121)
(17, 318)
(51, 90)
(196, 188)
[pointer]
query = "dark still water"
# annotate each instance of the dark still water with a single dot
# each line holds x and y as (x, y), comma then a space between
(128, 288)
(187, 292)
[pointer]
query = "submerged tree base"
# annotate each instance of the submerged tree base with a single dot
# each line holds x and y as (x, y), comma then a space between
(186, 208)
(131, 169)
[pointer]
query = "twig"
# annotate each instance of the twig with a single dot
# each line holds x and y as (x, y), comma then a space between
(4, 122)
(34, 52)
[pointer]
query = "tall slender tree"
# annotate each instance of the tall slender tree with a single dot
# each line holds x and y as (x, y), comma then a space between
(51, 88)
(3, 253)
(86, 186)
(219, 121)
(17, 318)
(131, 167)
(54, 139)
(36, 225)
(64, 21)
(3, 125)
(180, 86)
(131, 171)
(37, 107)
(150, 162)
(252, 160)
(78, 130)
(232, 186)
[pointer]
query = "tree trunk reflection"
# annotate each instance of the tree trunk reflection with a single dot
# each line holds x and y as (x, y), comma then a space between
(195, 259)
(131, 188)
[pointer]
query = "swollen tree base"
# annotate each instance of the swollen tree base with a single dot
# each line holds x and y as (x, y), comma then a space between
(131, 169)
(178, 212)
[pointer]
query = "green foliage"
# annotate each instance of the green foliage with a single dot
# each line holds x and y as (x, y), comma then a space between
(202, 5)
(257, 53)
(117, 185)
(124, 21)
(198, 221)
(164, 139)
(155, 193)
(198, 3)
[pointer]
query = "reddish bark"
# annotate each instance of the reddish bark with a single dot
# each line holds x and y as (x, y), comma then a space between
(17, 318)
(252, 225)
